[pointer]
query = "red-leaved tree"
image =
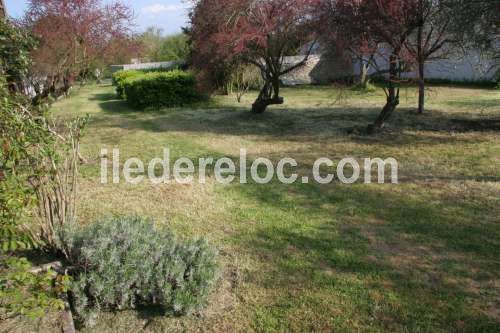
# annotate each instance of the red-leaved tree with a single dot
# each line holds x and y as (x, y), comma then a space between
(76, 37)
(257, 32)
(404, 35)
(380, 27)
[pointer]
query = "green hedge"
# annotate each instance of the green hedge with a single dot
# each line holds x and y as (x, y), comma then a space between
(119, 79)
(161, 89)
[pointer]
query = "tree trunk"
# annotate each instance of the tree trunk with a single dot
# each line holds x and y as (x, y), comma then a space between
(421, 87)
(269, 95)
(421, 68)
(260, 105)
(391, 105)
(392, 97)
(363, 79)
(67, 86)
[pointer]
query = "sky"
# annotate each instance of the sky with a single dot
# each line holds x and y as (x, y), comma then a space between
(169, 15)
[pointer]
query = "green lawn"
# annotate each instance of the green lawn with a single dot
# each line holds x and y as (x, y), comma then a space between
(421, 256)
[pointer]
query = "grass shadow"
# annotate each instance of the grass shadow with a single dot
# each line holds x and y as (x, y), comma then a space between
(476, 103)
(290, 122)
(417, 249)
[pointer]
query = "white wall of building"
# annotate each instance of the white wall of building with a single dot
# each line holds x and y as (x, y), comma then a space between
(469, 67)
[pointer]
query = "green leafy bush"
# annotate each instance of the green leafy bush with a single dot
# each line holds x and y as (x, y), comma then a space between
(21, 135)
(24, 141)
(15, 47)
(174, 47)
(119, 80)
(161, 89)
(29, 294)
(37, 173)
(128, 263)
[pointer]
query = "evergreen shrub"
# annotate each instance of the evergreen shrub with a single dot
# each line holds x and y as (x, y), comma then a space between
(161, 89)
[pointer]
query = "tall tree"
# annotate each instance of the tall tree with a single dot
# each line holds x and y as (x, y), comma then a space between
(151, 41)
(418, 30)
(157, 47)
(432, 39)
(447, 26)
(477, 26)
(257, 32)
(74, 36)
(381, 26)
(477, 23)
(174, 47)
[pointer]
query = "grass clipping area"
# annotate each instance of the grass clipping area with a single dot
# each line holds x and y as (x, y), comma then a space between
(418, 256)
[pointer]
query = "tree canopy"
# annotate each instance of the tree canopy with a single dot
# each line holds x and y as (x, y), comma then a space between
(76, 37)
(261, 33)
(158, 47)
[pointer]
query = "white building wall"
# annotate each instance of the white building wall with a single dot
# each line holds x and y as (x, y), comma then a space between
(148, 65)
(470, 67)
(322, 69)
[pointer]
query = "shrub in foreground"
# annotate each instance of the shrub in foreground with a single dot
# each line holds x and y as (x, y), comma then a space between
(128, 263)
(161, 89)
(119, 80)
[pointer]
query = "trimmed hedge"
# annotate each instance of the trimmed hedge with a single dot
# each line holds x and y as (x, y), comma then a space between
(119, 79)
(161, 89)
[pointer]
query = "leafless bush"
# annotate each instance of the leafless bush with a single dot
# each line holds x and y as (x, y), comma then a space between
(243, 78)
(56, 188)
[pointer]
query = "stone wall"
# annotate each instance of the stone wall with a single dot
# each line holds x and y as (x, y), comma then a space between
(319, 69)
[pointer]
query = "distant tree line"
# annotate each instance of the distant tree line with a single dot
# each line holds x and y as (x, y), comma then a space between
(157, 47)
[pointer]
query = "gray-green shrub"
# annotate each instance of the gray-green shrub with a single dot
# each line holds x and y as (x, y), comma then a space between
(127, 263)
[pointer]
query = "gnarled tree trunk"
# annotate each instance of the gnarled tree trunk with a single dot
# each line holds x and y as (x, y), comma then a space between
(392, 97)
(269, 95)
(391, 105)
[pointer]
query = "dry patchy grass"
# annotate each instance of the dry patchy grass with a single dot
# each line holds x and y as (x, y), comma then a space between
(418, 256)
